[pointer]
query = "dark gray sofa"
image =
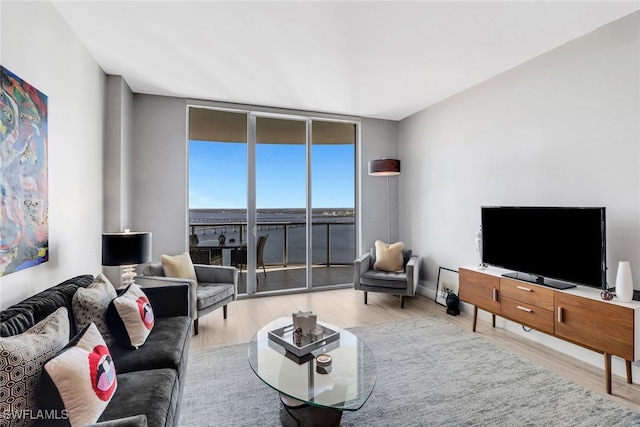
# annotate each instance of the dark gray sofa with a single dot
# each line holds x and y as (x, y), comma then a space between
(151, 378)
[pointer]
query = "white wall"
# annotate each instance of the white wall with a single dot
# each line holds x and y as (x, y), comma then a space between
(117, 162)
(117, 154)
(38, 46)
(378, 140)
(561, 129)
(159, 173)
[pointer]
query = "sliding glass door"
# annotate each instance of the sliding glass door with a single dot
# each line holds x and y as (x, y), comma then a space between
(274, 196)
(333, 202)
(281, 195)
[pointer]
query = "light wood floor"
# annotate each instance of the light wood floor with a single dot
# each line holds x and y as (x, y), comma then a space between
(345, 308)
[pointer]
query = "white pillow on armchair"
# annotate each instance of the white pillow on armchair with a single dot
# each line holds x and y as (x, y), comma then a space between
(389, 257)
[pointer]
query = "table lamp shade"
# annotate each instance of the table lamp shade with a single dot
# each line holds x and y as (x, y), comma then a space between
(126, 248)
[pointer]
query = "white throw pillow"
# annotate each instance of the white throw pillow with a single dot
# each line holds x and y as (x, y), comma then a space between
(389, 257)
(22, 358)
(84, 375)
(179, 266)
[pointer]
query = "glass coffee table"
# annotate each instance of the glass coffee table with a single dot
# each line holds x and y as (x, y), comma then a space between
(310, 397)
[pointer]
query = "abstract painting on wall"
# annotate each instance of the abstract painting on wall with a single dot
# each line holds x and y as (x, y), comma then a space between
(24, 200)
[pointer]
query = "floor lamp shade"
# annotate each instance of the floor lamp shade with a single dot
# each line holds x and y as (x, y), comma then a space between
(126, 248)
(384, 167)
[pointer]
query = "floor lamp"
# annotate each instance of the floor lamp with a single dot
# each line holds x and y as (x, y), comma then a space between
(385, 167)
(126, 250)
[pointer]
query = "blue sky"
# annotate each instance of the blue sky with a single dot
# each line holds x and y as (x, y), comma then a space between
(218, 175)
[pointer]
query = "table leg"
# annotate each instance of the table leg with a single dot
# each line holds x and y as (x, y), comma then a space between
(607, 371)
(296, 413)
(475, 318)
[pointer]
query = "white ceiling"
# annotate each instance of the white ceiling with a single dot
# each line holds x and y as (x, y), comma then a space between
(363, 58)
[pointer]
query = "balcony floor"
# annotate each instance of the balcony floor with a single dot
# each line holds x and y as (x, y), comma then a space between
(292, 277)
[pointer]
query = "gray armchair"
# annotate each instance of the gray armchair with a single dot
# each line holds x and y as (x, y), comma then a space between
(216, 287)
(404, 283)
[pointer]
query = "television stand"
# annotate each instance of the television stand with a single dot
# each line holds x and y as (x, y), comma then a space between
(539, 280)
(578, 315)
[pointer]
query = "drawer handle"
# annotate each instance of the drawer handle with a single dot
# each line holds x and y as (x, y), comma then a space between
(495, 294)
(522, 288)
(528, 310)
(559, 314)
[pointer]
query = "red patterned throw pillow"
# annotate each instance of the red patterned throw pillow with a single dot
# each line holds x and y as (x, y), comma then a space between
(134, 311)
(84, 375)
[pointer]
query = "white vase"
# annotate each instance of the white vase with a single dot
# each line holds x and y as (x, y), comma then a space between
(624, 282)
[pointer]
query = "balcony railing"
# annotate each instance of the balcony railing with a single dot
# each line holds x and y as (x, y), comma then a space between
(333, 242)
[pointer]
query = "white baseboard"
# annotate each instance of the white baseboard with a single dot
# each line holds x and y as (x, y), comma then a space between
(427, 292)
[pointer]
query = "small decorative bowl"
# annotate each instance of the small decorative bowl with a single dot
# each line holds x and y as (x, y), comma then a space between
(323, 363)
(323, 360)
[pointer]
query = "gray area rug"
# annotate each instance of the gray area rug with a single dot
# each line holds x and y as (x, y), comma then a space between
(430, 373)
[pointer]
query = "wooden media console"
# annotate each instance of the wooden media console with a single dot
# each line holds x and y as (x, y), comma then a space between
(577, 315)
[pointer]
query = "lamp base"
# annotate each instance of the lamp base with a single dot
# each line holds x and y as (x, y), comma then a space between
(128, 274)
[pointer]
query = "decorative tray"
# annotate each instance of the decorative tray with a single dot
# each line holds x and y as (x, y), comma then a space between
(284, 337)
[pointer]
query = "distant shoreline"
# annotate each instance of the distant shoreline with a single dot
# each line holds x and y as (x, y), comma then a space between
(346, 211)
(296, 215)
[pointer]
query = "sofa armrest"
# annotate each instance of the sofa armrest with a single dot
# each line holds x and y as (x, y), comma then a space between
(360, 266)
(149, 282)
(413, 274)
(133, 421)
(216, 273)
(169, 301)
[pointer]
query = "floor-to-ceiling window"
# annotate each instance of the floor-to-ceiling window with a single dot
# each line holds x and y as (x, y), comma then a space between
(257, 181)
(218, 187)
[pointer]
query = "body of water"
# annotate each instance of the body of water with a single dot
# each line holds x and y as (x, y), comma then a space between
(336, 224)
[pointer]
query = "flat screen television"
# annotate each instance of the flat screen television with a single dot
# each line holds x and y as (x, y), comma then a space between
(554, 246)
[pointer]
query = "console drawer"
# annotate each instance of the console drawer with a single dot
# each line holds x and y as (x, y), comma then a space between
(527, 314)
(527, 292)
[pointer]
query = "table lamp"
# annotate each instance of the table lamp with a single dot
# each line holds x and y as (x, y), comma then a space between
(126, 250)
